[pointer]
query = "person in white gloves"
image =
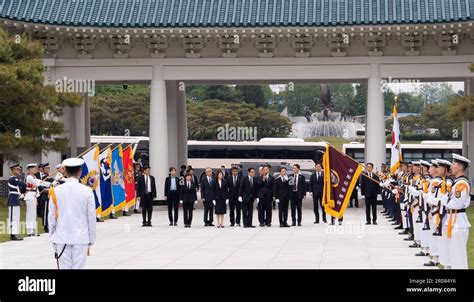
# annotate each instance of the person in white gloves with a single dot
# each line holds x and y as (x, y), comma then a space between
(188, 198)
(247, 195)
(220, 201)
(282, 194)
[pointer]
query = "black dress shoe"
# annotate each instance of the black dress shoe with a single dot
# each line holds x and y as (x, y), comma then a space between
(99, 219)
(135, 211)
(112, 216)
(262, 225)
(124, 213)
(414, 245)
(144, 224)
(175, 224)
(231, 224)
(149, 223)
(404, 232)
(410, 238)
(420, 254)
(299, 223)
(375, 222)
(211, 224)
(251, 226)
(351, 206)
(269, 225)
(238, 224)
(316, 222)
(293, 224)
(368, 222)
(431, 263)
(15, 238)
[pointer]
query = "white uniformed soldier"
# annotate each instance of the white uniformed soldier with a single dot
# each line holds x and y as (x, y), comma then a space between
(442, 229)
(31, 195)
(60, 177)
(425, 234)
(435, 185)
(72, 218)
(455, 221)
(15, 188)
(415, 194)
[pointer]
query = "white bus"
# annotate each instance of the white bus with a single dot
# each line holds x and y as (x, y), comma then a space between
(214, 154)
(425, 150)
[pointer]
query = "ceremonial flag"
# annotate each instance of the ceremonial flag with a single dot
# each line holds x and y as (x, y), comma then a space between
(340, 177)
(118, 186)
(129, 178)
(105, 164)
(91, 176)
(396, 146)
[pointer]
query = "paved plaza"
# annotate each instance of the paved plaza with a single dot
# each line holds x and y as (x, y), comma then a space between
(124, 244)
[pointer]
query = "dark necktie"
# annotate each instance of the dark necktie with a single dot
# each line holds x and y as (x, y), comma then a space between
(235, 180)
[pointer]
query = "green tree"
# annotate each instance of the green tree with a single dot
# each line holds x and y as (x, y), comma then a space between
(224, 93)
(28, 108)
(359, 101)
(255, 94)
(299, 97)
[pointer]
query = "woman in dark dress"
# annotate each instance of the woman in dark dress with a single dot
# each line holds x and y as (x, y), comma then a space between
(220, 198)
(188, 198)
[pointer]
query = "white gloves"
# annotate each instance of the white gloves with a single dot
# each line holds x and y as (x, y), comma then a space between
(240, 199)
(195, 202)
(214, 202)
(257, 200)
(277, 200)
(394, 191)
(227, 202)
(181, 202)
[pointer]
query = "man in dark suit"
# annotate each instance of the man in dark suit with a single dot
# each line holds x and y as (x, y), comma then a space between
(298, 192)
(316, 187)
(172, 196)
(233, 184)
(265, 197)
(370, 189)
(194, 178)
(188, 198)
(282, 194)
(247, 195)
(146, 194)
(207, 197)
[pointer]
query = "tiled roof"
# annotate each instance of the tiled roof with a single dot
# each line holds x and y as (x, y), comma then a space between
(235, 13)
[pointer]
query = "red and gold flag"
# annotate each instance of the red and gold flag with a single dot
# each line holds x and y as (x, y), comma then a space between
(340, 177)
(129, 179)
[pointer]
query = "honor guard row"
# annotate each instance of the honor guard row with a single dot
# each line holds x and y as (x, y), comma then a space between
(427, 201)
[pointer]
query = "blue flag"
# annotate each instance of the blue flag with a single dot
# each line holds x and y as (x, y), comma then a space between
(118, 184)
(105, 163)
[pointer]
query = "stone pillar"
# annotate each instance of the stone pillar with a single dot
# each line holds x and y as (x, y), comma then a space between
(182, 124)
(158, 130)
(80, 128)
(375, 120)
(172, 124)
(468, 134)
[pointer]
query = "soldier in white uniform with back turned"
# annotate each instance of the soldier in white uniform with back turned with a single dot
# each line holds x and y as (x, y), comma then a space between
(455, 221)
(72, 218)
(31, 195)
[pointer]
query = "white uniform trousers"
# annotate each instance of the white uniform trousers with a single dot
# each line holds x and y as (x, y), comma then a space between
(443, 247)
(457, 248)
(31, 203)
(417, 225)
(433, 239)
(425, 235)
(14, 220)
(73, 257)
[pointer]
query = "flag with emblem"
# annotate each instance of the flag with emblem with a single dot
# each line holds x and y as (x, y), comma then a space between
(105, 164)
(91, 176)
(118, 184)
(340, 177)
(128, 176)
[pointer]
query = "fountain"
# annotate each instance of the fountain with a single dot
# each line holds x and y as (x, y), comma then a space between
(327, 122)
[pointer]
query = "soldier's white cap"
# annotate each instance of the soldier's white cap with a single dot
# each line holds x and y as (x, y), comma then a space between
(59, 166)
(31, 165)
(73, 162)
(461, 159)
(15, 165)
(417, 163)
(434, 162)
(425, 163)
(443, 162)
